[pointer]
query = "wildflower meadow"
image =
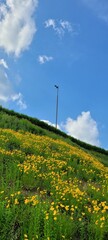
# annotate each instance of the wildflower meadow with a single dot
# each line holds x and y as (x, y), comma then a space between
(50, 190)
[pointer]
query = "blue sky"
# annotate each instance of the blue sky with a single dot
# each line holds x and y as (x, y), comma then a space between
(43, 43)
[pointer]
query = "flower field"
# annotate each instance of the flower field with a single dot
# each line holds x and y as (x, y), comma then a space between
(50, 190)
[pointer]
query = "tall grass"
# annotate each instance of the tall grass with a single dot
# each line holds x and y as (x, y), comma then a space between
(50, 190)
(16, 121)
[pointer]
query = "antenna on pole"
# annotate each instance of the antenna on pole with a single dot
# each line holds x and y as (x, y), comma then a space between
(57, 87)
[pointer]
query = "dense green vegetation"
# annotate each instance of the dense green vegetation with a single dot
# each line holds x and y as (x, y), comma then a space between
(7, 116)
(50, 187)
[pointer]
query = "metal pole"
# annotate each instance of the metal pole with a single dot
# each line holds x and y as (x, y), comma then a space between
(57, 87)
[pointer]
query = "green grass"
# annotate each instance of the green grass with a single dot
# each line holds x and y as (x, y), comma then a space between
(16, 121)
(50, 188)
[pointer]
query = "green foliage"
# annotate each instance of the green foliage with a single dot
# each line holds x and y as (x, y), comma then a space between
(50, 190)
(36, 126)
(12, 122)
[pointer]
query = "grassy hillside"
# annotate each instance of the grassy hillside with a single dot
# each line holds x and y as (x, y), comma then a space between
(50, 187)
(16, 121)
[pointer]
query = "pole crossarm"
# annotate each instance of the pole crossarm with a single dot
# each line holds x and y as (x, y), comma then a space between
(56, 86)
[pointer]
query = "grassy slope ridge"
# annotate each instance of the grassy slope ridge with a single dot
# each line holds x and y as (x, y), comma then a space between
(50, 188)
(30, 124)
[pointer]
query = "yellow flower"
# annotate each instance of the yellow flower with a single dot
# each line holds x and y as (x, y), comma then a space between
(25, 235)
(35, 202)
(12, 195)
(16, 201)
(47, 216)
(101, 226)
(26, 201)
(106, 208)
(67, 208)
(54, 213)
(102, 218)
(96, 222)
(18, 192)
(2, 192)
(89, 209)
(52, 208)
(96, 208)
(7, 206)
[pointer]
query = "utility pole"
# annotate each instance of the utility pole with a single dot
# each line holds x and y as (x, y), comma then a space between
(57, 87)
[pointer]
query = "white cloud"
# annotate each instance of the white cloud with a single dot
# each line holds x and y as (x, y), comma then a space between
(100, 7)
(50, 23)
(83, 128)
(17, 26)
(3, 63)
(7, 93)
(60, 27)
(43, 59)
(5, 86)
(66, 25)
(18, 98)
(51, 124)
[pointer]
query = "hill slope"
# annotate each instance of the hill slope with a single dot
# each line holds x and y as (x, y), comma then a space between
(16, 121)
(50, 188)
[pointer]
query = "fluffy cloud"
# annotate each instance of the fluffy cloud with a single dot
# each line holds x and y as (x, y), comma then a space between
(100, 7)
(83, 128)
(50, 23)
(51, 124)
(3, 63)
(60, 27)
(7, 94)
(17, 26)
(43, 59)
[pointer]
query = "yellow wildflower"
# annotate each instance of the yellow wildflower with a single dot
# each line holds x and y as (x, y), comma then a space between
(16, 201)
(67, 208)
(54, 213)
